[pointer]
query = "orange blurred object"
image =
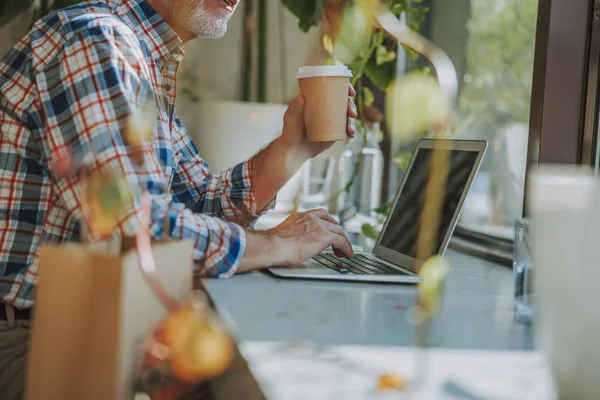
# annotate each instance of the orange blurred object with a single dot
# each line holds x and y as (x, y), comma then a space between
(190, 347)
(200, 347)
(391, 382)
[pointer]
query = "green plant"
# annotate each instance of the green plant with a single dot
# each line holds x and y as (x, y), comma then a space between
(368, 51)
(374, 55)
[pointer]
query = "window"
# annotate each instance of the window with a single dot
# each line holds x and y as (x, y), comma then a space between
(491, 43)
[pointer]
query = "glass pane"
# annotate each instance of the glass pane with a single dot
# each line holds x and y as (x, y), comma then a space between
(492, 45)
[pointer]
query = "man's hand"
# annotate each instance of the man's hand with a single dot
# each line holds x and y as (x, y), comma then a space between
(294, 128)
(306, 234)
(300, 237)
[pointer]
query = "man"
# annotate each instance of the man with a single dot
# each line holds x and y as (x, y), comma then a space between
(73, 84)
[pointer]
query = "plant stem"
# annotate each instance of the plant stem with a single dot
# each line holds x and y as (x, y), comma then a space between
(363, 64)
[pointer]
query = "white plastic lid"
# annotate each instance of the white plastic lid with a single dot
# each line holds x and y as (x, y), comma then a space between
(323, 70)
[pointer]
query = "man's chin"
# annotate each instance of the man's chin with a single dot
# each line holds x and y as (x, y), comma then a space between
(211, 27)
(213, 34)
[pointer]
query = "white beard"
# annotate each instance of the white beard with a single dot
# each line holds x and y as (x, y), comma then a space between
(211, 26)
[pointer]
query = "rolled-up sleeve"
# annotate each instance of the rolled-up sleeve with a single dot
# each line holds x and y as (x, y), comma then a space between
(88, 92)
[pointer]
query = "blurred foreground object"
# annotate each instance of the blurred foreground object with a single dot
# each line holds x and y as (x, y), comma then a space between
(391, 382)
(564, 206)
(189, 347)
(416, 102)
(431, 290)
(429, 302)
(523, 271)
(307, 371)
(93, 309)
(107, 196)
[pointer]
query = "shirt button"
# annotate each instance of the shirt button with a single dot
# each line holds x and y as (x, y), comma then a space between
(168, 87)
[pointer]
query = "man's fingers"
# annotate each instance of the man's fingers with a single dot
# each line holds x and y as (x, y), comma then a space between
(323, 214)
(295, 111)
(342, 244)
(351, 129)
(336, 229)
(351, 90)
(352, 114)
(352, 110)
(339, 241)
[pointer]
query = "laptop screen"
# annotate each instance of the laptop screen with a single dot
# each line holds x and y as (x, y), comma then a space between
(402, 230)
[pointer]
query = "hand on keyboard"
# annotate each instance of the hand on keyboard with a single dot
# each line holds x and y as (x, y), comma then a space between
(304, 235)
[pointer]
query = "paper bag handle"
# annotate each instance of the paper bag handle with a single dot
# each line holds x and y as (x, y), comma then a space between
(143, 243)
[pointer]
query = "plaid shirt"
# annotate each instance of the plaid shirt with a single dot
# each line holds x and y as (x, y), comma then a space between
(73, 82)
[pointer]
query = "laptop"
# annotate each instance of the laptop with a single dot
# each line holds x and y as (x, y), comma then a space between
(394, 258)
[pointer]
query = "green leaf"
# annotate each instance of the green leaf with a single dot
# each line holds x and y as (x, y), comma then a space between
(383, 209)
(308, 12)
(417, 15)
(381, 75)
(397, 6)
(402, 159)
(423, 71)
(414, 25)
(410, 53)
(383, 55)
(369, 97)
(378, 38)
(369, 231)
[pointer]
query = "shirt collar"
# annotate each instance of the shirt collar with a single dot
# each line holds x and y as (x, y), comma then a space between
(143, 19)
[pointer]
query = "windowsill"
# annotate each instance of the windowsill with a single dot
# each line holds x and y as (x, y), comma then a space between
(481, 244)
(495, 231)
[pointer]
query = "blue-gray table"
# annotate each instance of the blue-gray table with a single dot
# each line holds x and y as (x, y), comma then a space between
(478, 311)
(478, 314)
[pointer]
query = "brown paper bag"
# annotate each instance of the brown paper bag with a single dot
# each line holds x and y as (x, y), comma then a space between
(93, 310)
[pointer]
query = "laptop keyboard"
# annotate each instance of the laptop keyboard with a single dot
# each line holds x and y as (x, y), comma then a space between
(360, 264)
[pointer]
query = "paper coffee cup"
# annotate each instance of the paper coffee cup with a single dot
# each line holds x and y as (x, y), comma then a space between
(325, 92)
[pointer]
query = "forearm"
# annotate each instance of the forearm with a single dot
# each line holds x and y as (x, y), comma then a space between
(261, 251)
(272, 168)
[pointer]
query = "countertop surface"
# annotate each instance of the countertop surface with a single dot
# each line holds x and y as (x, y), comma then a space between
(478, 311)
